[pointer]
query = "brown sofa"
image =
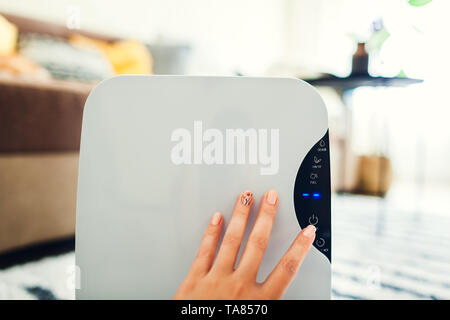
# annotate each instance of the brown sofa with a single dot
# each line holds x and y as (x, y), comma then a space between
(40, 126)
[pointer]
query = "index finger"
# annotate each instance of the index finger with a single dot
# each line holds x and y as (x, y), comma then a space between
(279, 279)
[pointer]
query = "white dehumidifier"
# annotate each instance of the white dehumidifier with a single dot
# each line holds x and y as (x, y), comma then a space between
(160, 154)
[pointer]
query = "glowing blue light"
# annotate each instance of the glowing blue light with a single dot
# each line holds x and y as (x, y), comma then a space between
(316, 195)
(305, 194)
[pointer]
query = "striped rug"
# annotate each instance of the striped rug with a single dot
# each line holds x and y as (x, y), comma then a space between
(383, 252)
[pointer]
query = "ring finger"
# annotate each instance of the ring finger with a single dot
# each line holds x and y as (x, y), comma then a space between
(232, 239)
(259, 237)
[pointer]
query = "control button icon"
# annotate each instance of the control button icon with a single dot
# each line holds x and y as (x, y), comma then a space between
(313, 219)
(322, 143)
(313, 176)
(317, 160)
(320, 242)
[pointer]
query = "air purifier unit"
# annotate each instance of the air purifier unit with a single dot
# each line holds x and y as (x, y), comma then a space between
(160, 154)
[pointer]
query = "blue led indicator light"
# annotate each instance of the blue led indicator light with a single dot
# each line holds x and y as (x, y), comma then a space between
(305, 194)
(316, 195)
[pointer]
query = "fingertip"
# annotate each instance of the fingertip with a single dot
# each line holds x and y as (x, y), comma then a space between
(306, 237)
(216, 219)
(272, 197)
(309, 232)
(246, 198)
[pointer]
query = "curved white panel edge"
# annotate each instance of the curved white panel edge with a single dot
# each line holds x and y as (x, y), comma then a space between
(140, 218)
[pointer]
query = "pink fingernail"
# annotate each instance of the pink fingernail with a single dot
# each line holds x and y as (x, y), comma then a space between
(272, 197)
(309, 231)
(216, 219)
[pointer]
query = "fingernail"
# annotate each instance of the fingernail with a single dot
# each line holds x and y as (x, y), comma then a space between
(309, 231)
(272, 197)
(246, 198)
(216, 219)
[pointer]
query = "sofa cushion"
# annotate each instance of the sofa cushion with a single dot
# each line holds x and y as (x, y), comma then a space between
(37, 197)
(41, 116)
(65, 61)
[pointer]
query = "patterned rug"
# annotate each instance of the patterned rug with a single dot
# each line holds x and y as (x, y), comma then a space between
(381, 250)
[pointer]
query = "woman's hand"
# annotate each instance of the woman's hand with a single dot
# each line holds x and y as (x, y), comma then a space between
(218, 279)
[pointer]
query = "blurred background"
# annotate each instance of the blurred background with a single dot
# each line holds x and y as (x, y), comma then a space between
(382, 68)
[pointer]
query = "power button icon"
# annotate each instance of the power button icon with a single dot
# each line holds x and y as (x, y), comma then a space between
(320, 242)
(313, 219)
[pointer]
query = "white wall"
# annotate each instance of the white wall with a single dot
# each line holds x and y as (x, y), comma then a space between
(410, 124)
(226, 35)
(251, 35)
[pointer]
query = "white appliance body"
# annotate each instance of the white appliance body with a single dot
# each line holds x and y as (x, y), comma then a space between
(141, 217)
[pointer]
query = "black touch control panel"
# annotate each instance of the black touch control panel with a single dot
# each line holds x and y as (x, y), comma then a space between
(312, 194)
